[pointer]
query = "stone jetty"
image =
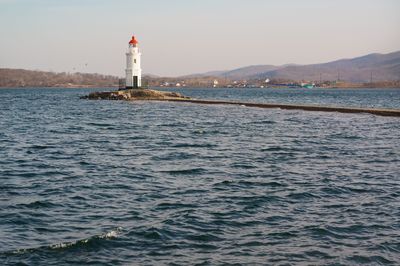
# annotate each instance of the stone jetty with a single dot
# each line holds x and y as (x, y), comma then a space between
(374, 111)
(154, 95)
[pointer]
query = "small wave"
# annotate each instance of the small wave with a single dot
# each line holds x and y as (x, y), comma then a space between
(321, 232)
(173, 156)
(152, 233)
(66, 245)
(262, 122)
(245, 183)
(100, 124)
(318, 254)
(303, 195)
(185, 171)
(199, 132)
(260, 184)
(108, 235)
(41, 147)
(28, 174)
(175, 205)
(333, 191)
(360, 259)
(204, 238)
(189, 191)
(273, 148)
(243, 165)
(194, 145)
(36, 205)
(360, 190)
(283, 235)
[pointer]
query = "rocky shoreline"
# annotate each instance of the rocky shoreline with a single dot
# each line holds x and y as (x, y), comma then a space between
(136, 95)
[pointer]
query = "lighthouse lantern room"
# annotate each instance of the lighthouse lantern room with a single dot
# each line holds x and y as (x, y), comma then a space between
(133, 70)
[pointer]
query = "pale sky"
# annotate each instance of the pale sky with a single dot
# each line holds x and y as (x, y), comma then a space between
(179, 37)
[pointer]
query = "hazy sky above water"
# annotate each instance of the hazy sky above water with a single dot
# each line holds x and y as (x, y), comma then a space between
(180, 37)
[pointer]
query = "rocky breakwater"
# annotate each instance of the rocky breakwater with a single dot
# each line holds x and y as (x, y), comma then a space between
(153, 95)
(135, 95)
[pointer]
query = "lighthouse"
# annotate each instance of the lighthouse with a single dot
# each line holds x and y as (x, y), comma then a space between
(133, 71)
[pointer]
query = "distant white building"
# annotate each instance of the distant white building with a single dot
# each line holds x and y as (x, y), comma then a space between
(133, 71)
(215, 83)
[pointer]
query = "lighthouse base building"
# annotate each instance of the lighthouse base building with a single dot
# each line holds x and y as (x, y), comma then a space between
(133, 71)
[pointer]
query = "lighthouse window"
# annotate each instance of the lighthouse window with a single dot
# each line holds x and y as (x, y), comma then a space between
(134, 60)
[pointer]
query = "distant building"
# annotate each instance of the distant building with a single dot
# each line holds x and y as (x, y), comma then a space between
(133, 71)
(215, 84)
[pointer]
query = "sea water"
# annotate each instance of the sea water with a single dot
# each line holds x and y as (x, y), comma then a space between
(115, 183)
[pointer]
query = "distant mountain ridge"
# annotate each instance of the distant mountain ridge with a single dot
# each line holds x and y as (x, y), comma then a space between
(375, 67)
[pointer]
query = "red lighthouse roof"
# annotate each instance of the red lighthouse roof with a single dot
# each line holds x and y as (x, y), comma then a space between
(133, 41)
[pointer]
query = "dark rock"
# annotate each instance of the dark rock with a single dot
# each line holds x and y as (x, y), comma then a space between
(135, 94)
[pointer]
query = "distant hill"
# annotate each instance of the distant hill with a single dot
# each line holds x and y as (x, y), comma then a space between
(205, 74)
(250, 71)
(383, 67)
(31, 78)
(239, 73)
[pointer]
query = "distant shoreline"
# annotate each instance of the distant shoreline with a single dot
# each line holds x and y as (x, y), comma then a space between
(203, 87)
(17, 78)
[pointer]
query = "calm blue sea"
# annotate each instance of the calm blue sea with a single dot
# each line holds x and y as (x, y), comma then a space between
(156, 183)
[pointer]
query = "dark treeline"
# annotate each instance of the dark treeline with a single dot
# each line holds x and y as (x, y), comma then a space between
(31, 78)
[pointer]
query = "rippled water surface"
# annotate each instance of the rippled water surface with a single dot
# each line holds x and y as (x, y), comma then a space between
(108, 182)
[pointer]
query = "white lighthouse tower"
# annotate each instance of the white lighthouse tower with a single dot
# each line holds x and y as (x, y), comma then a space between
(133, 70)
